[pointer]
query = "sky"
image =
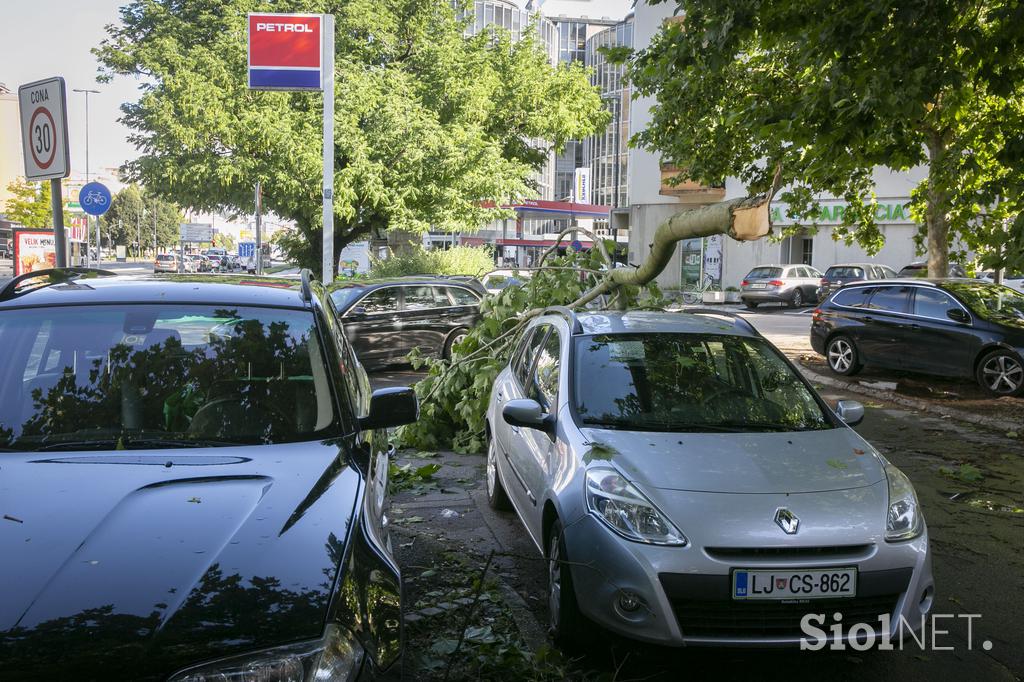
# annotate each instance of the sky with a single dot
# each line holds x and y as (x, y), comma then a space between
(44, 38)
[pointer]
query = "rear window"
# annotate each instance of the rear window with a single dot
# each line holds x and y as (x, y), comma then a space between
(853, 298)
(164, 257)
(844, 272)
(764, 273)
(157, 376)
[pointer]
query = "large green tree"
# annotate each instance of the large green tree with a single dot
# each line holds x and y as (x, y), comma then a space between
(134, 214)
(30, 204)
(430, 125)
(827, 91)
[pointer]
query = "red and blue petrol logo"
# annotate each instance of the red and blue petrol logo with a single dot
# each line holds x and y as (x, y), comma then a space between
(284, 51)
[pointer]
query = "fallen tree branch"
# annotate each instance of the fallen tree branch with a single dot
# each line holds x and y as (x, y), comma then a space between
(569, 230)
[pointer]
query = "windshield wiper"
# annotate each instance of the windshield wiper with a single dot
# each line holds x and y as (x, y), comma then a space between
(131, 444)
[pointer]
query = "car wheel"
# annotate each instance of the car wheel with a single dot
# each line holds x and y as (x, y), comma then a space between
(750, 305)
(455, 337)
(1001, 373)
(798, 299)
(565, 621)
(496, 495)
(842, 356)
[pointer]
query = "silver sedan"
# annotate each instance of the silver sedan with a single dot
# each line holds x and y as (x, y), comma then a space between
(688, 486)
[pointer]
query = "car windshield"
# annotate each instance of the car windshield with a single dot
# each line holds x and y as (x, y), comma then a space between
(343, 297)
(844, 272)
(690, 382)
(993, 302)
(137, 376)
(764, 273)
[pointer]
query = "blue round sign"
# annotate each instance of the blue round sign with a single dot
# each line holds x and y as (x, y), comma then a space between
(94, 198)
(576, 245)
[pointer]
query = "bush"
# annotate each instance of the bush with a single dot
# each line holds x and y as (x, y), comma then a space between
(454, 396)
(457, 260)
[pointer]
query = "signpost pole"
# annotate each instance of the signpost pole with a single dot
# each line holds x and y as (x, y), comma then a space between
(259, 236)
(327, 78)
(57, 204)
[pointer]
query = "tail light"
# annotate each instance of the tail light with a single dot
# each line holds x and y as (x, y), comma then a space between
(816, 315)
(776, 283)
(744, 283)
(823, 282)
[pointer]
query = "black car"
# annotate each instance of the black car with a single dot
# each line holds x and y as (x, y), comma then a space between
(844, 273)
(193, 482)
(951, 327)
(385, 319)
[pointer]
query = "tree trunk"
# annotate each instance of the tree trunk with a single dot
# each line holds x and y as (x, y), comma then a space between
(936, 220)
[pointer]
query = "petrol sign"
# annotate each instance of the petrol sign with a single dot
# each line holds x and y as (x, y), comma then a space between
(285, 51)
(44, 133)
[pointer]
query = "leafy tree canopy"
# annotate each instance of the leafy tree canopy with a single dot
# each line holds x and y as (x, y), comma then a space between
(829, 91)
(131, 216)
(30, 204)
(428, 123)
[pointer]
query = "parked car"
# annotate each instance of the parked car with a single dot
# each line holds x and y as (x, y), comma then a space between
(385, 319)
(203, 263)
(165, 262)
(495, 282)
(216, 261)
(920, 269)
(949, 327)
(193, 490)
(794, 285)
(190, 264)
(838, 275)
(1014, 280)
(688, 486)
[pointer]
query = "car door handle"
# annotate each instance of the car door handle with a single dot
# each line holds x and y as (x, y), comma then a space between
(515, 429)
(500, 396)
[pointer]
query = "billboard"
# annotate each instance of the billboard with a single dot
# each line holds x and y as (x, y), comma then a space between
(34, 250)
(581, 186)
(285, 51)
(354, 259)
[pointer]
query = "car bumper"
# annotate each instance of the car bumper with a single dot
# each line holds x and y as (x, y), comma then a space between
(766, 295)
(686, 593)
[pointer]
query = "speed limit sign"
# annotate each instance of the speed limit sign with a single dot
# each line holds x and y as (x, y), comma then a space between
(44, 133)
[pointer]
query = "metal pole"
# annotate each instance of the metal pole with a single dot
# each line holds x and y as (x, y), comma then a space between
(327, 63)
(259, 236)
(155, 247)
(138, 236)
(57, 205)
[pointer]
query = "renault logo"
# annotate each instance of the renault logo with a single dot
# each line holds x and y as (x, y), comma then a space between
(787, 520)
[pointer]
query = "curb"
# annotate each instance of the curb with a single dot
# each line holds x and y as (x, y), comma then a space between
(914, 403)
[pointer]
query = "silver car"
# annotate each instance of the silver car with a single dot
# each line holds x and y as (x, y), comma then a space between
(688, 486)
(794, 285)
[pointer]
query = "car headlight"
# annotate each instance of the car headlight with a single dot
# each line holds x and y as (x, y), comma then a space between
(625, 510)
(336, 656)
(903, 520)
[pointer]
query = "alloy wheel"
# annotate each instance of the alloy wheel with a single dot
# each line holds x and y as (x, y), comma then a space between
(798, 299)
(1003, 374)
(555, 581)
(840, 355)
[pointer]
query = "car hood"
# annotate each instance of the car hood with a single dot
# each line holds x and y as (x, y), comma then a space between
(135, 564)
(794, 462)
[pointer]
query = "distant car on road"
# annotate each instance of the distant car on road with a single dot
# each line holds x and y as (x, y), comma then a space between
(920, 269)
(948, 327)
(838, 275)
(195, 483)
(385, 319)
(794, 285)
(687, 486)
(1014, 280)
(165, 262)
(498, 280)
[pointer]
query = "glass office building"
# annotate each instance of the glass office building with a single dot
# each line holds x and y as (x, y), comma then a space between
(606, 153)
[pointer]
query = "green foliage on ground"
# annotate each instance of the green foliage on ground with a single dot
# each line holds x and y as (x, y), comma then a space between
(457, 260)
(432, 127)
(454, 396)
(829, 91)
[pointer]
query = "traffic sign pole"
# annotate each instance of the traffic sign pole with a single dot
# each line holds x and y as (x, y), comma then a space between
(327, 78)
(57, 204)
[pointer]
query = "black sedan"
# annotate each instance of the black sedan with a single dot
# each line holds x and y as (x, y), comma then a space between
(385, 319)
(193, 481)
(949, 327)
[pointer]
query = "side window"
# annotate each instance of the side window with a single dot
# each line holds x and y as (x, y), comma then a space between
(891, 299)
(380, 301)
(545, 382)
(35, 365)
(932, 303)
(524, 359)
(853, 298)
(462, 296)
(803, 272)
(888, 272)
(422, 298)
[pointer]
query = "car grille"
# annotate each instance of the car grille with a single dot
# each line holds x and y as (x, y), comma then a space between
(773, 619)
(738, 555)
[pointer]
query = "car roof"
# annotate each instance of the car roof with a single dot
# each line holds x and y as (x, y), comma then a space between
(412, 280)
(644, 321)
(136, 289)
(855, 265)
(926, 281)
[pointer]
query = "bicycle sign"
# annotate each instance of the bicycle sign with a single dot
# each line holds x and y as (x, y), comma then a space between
(94, 198)
(43, 129)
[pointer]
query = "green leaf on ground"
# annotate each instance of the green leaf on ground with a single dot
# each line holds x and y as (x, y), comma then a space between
(967, 473)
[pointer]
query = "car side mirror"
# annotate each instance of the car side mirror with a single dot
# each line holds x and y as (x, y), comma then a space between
(529, 414)
(391, 407)
(958, 315)
(850, 411)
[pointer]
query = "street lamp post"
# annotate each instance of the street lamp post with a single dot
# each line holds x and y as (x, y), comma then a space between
(616, 101)
(87, 93)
